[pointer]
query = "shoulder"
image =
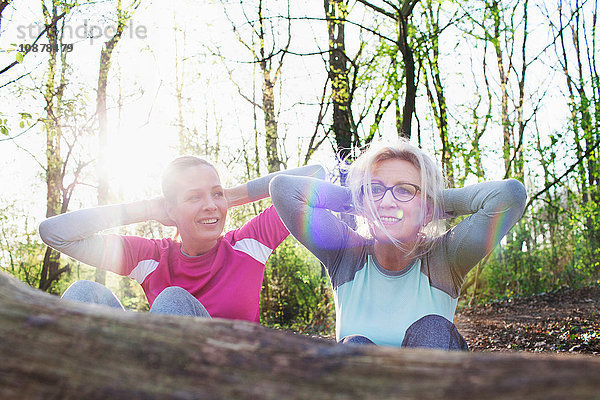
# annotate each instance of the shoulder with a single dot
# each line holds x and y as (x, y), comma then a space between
(153, 248)
(163, 243)
(350, 260)
(266, 227)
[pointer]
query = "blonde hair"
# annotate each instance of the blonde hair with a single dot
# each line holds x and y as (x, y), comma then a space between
(174, 169)
(432, 184)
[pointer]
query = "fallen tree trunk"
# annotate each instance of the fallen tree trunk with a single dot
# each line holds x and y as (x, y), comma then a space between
(58, 349)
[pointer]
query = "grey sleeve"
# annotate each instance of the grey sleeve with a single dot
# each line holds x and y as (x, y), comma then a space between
(304, 206)
(259, 188)
(494, 208)
(76, 234)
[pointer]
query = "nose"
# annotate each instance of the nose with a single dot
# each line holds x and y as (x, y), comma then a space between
(209, 204)
(388, 200)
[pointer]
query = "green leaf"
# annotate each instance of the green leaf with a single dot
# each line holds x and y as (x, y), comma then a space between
(19, 58)
(22, 124)
(3, 130)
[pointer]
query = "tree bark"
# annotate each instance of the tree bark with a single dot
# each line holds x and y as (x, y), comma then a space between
(335, 15)
(3, 4)
(59, 349)
(409, 68)
(53, 95)
(431, 67)
(104, 69)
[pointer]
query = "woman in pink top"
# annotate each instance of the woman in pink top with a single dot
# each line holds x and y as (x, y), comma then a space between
(206, 273)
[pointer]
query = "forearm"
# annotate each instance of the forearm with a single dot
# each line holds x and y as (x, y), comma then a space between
(489, 197)
(76, 233)
(258, 189)
(293, 192)
(494, 208)
(304, 205)
(82, 223)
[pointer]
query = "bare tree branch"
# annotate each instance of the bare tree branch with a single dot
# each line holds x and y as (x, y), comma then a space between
(567, 172)
(379, 9)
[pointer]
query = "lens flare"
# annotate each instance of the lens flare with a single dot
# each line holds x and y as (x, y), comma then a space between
(400, 214)
(496, 230)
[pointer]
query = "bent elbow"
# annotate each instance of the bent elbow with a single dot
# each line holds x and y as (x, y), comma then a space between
(45, 231)
(277, 188)
(318, 171)
(518, 194)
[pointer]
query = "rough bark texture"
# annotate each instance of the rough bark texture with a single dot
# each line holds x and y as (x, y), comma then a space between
(57, 349)
(105, 62)
(53, 95)
(335, 14)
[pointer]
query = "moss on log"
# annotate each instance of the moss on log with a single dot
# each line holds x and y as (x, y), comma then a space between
(54, 349)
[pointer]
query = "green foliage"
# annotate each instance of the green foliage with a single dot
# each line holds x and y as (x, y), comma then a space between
(295, 293)
(550, 249)
(130, 293)
(127, 290)
(3, 128)
(21, 252)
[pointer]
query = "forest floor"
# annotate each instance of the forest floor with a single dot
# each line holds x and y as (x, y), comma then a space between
(562, 321)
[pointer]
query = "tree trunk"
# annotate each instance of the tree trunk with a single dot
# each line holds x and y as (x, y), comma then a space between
(271, 136)
(179, 83)
(3, 4)
(437, 100)
(503, 73)
(335, 14)
(105, 60)
(345, 137)
(58, 349)
(268, 95)
(409, 66)
(51, 270)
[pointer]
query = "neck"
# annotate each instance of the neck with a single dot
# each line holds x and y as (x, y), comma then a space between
(391, 257)
(198, 250)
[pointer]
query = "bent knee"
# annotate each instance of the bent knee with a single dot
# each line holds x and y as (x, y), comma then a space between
(431, 322)
(174, 291)
(356, 339)
(83, 288)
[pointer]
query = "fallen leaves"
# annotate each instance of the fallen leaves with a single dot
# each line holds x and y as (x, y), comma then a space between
(562, 321)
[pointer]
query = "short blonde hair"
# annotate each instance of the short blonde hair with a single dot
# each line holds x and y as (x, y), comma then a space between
(432, 185)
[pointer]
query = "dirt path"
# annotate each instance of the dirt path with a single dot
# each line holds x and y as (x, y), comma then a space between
(562, 321)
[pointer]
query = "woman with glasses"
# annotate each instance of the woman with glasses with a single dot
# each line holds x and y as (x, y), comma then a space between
(398, 282)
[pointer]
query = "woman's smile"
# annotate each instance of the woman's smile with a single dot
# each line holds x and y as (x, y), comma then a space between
(208, 221)
(389, 220)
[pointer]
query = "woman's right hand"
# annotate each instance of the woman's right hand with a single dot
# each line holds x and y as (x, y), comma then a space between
(157, 210)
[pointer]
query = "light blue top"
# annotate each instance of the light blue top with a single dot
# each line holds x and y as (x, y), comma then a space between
(395, 301)
(382, 304)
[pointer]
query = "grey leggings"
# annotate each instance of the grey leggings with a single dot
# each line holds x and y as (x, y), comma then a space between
(431, 331)
(172, 300)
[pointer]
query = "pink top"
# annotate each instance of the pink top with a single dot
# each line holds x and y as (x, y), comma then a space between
(226, 280)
